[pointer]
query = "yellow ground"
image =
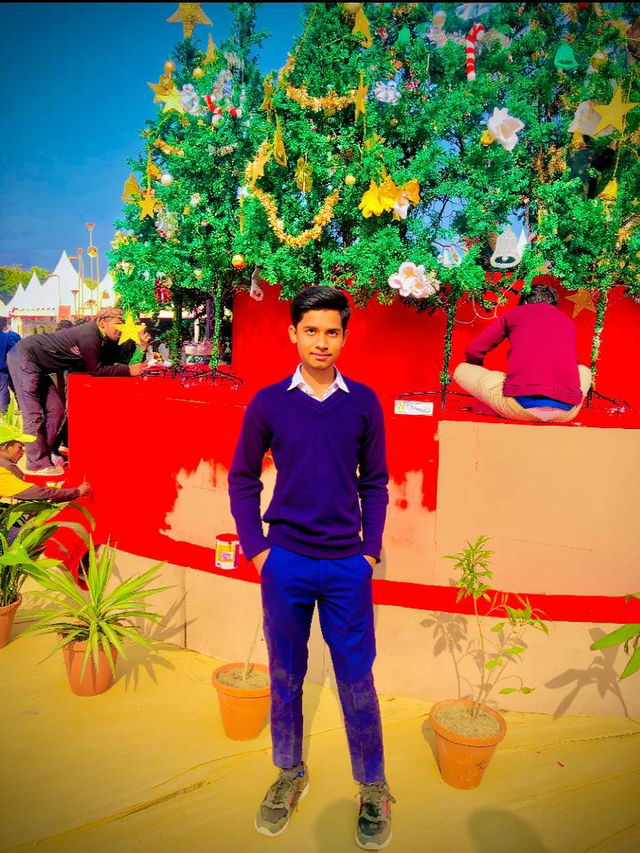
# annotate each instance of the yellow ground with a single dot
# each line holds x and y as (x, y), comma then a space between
(146, 767)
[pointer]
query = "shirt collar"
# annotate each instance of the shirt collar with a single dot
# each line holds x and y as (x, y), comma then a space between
(297, 379)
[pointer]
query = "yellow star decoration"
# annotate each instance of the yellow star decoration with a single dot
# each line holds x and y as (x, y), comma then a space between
(189, 15)
(171, 101)
(148, 203)
(359, 97)
(614, 112)
(130, 329)
(582, 300)
(162, 87)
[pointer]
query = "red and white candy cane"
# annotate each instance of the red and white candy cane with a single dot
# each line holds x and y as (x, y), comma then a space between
(476, 34)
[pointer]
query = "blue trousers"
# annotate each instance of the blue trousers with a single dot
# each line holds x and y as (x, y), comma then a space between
(291, 586)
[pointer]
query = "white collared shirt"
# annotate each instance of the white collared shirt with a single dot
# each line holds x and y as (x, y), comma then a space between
(298, 381)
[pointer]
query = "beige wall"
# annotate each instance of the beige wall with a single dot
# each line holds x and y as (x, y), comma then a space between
(560, 505)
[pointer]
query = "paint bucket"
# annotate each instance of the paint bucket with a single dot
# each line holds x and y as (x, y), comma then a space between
(227, 549)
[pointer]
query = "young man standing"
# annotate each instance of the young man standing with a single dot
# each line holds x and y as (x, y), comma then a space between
(326, 435)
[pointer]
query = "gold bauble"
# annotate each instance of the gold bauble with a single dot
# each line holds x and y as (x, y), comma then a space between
(169, 66)
(238, 262)
(351, 8)
(599, 59)
(197, 72)
(350, 180)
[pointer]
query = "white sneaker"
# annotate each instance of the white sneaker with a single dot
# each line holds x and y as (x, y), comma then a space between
(49, 471)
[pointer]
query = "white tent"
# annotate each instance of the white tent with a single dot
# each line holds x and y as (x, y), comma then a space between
(37, 300)
(16, 300)
(106, 291)
(66, 278)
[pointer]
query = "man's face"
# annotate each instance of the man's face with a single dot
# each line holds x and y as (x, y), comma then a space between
(319, 338)
(13, 451)
(108, 326)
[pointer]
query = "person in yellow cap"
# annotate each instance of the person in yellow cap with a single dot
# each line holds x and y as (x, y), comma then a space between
(12, 482)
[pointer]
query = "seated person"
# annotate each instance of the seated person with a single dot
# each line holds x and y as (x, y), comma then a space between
(12, 482)
(544, 381)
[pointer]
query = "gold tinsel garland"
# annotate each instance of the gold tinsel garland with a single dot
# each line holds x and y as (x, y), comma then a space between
(255, 170)
(320, 220)
(300, 94)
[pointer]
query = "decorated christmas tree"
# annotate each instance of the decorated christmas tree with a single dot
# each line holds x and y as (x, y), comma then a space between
(450, 152)
(174, 247)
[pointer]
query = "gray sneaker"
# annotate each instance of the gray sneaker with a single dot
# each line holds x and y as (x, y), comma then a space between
(280, 800)
(373, 831)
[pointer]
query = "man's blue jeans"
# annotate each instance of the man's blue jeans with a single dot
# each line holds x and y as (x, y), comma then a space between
(291, 585)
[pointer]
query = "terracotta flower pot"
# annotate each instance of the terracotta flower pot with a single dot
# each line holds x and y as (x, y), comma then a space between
(463, 758)
(95, 679)
(7, 615)
(244, 710)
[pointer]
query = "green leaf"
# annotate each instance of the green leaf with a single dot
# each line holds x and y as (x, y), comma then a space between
(513, 650)
(508, 690)
(492, 664)
(620, 635)
(498, 627)
(526, 689)
(632, 666)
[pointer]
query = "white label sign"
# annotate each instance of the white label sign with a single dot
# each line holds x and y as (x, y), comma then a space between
(412, 407)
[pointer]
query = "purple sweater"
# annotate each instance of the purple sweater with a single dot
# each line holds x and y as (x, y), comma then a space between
(331, 472)
(542, 358)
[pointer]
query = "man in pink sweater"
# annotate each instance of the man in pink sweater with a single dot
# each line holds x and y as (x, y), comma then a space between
(544, 381)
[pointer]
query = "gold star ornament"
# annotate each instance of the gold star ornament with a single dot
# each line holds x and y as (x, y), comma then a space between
(148, 203)
(171, 101)
(189, 15)
(130, 330)
(582, 301)
(614, 112)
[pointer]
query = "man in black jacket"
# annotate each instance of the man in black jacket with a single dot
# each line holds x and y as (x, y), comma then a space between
(89, 348)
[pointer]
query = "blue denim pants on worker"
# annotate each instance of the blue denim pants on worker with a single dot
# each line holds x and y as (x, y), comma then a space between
(291, 585)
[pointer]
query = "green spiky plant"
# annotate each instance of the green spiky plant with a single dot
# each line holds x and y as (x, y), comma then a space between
(22, 556)
(627, 636)
(473, 564)
(102, 617)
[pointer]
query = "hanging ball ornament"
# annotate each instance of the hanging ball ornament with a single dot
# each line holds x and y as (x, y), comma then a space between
(197, 72)
(169, 66)
(599, 59)
(238, 262)
(197, 273)
(166, 179)
(350, 180)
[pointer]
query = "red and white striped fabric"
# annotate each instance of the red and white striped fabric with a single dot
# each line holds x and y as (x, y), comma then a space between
(475, 34)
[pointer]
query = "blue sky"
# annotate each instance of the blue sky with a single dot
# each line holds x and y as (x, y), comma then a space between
(75, 98)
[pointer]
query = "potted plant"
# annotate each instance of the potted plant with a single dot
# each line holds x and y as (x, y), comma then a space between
(25, 529)
(92, 625)
(243, 695)
(627, 635)
(468, 730)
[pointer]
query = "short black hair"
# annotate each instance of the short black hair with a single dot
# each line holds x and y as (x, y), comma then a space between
(320, 299)
(64, 324)
(539, 293)
(4, 322)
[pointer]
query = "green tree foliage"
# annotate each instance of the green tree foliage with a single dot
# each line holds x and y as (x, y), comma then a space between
(547, 185)
(186, 244)
(11, 277)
